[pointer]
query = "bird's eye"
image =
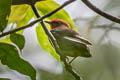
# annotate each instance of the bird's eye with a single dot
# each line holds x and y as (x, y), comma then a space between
(57, 22)
(53, 31)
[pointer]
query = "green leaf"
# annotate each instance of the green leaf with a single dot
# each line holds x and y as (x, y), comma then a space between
(4, 79)
(28, 15)
(18, 13)
(9, 56)
(44, 8)
(18, 39)
(44, 42)
(5, 6)
(5, 39)
(20, 19)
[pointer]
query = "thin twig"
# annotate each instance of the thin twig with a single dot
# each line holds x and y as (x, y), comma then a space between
(39, 19)
(69, 69)
(100, 12)
(107, 30)
(42, 23)
(56, 46)
(106, 26)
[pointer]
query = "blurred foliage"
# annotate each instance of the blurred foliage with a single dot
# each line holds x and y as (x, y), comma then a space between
(52, 76)
(104, 65)
(111, 5)
(100, 67)
(9, 56)
(5, 6)
(4, 79)
(20, 15)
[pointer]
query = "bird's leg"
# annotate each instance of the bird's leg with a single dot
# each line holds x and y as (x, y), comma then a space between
(72, 60)
(67, 59)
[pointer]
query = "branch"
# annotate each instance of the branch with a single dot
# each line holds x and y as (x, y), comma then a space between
(94, 8)
(107, 29)
(68, 67)
(37, 20)
(42, 23)
(56, 46)
(106, 26)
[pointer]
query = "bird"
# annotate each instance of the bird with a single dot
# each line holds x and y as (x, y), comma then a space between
(70, 42)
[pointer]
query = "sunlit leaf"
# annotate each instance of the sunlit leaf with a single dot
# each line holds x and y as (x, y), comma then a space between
(18, 13)
(5, 39)
(44, 8)
(9, 56)
(5, 6)
(43, 41)
(20, 19)
(18, 39)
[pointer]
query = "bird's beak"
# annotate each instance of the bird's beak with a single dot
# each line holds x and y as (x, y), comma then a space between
(48, 22)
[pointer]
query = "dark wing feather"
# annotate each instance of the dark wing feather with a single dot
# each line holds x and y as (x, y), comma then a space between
(71, 35)
(82, 39)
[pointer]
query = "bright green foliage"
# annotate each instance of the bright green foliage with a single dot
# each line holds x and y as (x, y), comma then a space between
(27, 17)
(18, 39)
(18, 13)
(6, 39)
(5, 6)
(44, 42)
(9, 56)
(44, 8)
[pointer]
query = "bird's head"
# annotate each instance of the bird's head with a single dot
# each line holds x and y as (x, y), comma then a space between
(57, 23)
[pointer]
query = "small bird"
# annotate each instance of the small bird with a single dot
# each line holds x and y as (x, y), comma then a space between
(70, 42)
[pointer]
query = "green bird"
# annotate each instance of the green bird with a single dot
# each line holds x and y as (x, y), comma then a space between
(70, 42)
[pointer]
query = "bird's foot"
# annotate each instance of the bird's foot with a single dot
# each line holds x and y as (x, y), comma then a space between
(72, 60)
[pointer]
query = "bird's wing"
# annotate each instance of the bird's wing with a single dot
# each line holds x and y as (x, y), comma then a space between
(82, 39)
(70, 34)
(73, 35)
(72, 39)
